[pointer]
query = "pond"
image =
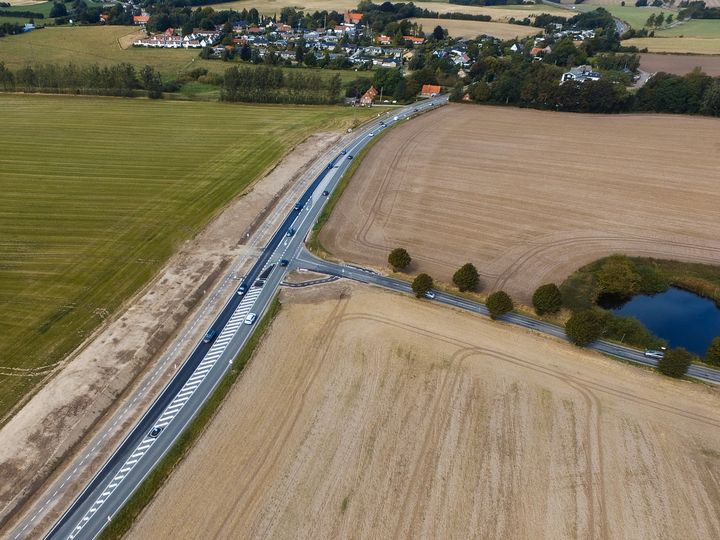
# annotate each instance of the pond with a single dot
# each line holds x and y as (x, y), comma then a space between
(681, 318)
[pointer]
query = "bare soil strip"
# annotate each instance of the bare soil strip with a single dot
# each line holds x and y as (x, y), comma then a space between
(369, 415)
(530, 196)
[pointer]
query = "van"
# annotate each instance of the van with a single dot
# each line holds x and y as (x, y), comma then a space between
(250, 318)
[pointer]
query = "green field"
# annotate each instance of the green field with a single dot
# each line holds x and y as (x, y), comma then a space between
(707, 28)
(635, 17)
(105, 45)
(97, 193)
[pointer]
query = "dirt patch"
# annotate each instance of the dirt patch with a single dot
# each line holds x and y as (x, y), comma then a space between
(472, 29)
(680, 64)
(530, 196)
(94, 382)
(391, 418)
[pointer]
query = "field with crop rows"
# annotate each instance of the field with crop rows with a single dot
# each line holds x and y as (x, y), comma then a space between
(97, 193)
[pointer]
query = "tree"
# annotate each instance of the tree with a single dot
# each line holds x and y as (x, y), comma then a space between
(713, 353)
(399, 259)
(675, 362)
(711, 101)
(58, 10)
(618, 276)
(584, 327)
(152, 82)
(547, 299)
(466, 278)
(499, 303)
(422, 284)
(438, 33)
(334, 87)
(650, 21)
(245, 52)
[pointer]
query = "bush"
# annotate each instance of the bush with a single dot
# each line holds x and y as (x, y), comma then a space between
(675, 362)
(547, 299)
(713, 353)
(499, 303)
(617, 276)
(399, 259)
(421, 285)
(631, 331)
(584, 327)
(466, 278)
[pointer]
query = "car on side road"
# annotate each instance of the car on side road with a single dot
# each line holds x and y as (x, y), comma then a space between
(155, 432)
(242, 289)
(343, 152)
(211, 334)
(298, 207)
(250, 319)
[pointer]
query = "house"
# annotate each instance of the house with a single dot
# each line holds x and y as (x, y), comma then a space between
(104, 17)
(382, 39)
(368, 97)
(414, 40)
(352, 17)
(430, 90)
(580, 74)
(517, 48)
(141, 20)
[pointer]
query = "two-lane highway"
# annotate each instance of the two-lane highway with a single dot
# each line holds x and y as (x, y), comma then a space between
(200, 374)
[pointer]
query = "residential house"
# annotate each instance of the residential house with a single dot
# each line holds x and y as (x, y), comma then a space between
(382, 39)
(414, 40)
(141, 20)
(580, 74)
(430, 90)
(368, 97)
(352, 17)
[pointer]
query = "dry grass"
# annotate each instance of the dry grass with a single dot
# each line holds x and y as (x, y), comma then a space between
(442, 425)
(677, 45)
(530, 196)
(472, 29)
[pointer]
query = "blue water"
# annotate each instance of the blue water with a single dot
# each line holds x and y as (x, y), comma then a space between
(682, 318)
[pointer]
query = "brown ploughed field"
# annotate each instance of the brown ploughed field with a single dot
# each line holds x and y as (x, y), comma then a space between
(529, 196)
(680, 64)
(365, 414)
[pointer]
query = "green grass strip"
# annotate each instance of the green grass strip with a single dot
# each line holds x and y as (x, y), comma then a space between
(126, 516)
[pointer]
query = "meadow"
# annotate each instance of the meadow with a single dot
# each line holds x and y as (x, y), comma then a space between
(97, 193)
(707, 28)
(105, 45)
(676, 45)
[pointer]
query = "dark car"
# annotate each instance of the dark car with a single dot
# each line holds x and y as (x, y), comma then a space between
(284, 262)
(290, 232)
(349, 156)
(298, 207)
(209, 336)
(242, 289)
(326, 193)
(343, 152)
(155, 431)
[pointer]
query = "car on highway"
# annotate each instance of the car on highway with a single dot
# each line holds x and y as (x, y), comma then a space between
(242, 289)
(343, 152)
(290, 232)
(349, 156)
(658, 355)
(209, 336)
(395, 117)
(415, 110)
(284, 262)
(430, 295)
(250, 318)
(298, 207)
(370, 134)
(155, 432)
(326, 193)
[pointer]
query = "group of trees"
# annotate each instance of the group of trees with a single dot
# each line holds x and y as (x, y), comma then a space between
(116, 80)
(10, 29)
(271, 85)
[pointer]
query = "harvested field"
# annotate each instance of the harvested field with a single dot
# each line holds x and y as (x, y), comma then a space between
(472, 29)
(442, 425)
(680, 64)
(530, 196)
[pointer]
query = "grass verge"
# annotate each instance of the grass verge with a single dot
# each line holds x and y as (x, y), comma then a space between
(124, 519)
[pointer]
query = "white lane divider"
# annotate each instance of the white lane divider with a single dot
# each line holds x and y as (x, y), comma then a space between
(180, 399)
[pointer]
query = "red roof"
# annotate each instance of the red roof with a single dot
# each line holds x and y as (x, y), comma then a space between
(430, 89)
(141, 19)
(352, 17)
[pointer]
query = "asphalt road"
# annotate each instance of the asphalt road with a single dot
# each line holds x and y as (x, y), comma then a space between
(310, 262)
(201, 372)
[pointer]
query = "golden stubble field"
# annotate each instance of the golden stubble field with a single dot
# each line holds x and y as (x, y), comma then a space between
(365, 414)
(529, 196)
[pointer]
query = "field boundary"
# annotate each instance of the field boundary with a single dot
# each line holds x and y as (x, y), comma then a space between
(122, 522)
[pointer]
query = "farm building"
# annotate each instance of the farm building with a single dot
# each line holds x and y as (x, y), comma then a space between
(368, 97)
(430, 90)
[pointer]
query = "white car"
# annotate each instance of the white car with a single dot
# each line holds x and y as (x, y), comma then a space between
(649, 353)
(430, 295)
(250, 318)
